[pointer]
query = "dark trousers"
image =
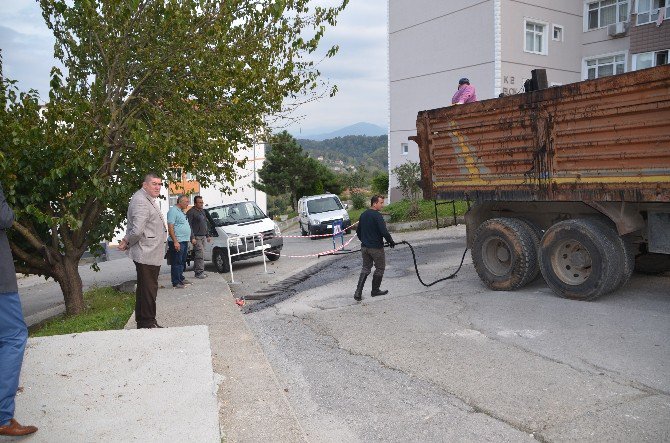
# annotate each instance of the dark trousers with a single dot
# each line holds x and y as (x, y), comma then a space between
(373, 256)
(178, 261)
(145, 295)
(13, 336)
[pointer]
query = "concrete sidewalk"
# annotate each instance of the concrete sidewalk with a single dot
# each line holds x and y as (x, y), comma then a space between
(252, 405)
(185, 382)
(112, 386)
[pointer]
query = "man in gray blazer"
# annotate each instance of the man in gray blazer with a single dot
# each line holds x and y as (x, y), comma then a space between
(145, 242)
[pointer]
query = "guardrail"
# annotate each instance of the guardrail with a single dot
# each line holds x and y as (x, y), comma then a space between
(240, 245)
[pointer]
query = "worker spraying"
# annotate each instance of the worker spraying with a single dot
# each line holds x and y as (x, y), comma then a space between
(371, 232)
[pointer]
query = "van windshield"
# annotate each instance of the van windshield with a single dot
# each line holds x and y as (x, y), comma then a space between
(235, 213)
(323, 205)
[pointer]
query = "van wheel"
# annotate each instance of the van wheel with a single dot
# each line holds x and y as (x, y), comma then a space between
(303, 232)
(273, 254)
(580, 259)
(312, 232)
(220, 259)
(504, 253)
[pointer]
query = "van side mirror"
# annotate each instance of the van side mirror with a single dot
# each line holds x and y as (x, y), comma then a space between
(346, 205)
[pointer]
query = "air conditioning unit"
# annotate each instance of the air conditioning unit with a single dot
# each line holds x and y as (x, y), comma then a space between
(618, 29)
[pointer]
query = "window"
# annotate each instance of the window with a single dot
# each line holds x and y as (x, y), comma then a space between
(606, 12)
(557, 33)
(190, 176)
(175, 174)
(605, 66)
(404, 148)
(650, 59)
(648, 10)
(536, 38)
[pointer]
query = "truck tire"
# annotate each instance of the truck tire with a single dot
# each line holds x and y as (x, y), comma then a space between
(504, 253)
(629, 249)
(220, 259)
(581, 259)
(536, 234)
(303, 232)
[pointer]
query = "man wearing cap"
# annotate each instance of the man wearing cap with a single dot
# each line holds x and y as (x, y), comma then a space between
(465, 94)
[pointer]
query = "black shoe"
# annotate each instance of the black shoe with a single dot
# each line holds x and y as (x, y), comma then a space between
(153, 326)
(358, 295)
(376, 283)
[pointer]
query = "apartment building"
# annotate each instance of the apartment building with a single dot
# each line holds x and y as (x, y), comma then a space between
(242, 189)
(496, 44)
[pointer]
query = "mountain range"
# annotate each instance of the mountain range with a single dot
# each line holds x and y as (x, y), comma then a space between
(361, 128)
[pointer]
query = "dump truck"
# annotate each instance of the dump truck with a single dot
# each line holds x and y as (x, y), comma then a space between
(571, 182)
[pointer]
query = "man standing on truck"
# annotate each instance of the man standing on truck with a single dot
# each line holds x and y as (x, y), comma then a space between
(199, 234)
(465, 94)
(371, 232)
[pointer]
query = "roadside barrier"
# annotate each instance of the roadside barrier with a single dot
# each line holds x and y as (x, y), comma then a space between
(244, 245)
(316, 235)
(319, 254)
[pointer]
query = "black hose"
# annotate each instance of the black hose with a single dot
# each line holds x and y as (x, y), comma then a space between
(416, 267)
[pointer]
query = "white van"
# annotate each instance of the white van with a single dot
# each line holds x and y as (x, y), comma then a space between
(247, 222)
(318, 212)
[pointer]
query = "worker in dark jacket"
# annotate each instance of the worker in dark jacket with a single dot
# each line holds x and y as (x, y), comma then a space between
(13, 331)
(371, 232)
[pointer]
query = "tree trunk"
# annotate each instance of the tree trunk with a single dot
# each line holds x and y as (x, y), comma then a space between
(70, 283)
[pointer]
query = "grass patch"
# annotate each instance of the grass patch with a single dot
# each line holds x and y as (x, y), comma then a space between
(399, 211)
(106, 309)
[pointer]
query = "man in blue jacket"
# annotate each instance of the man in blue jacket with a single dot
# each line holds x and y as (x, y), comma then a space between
(13, 331)
(371, 232)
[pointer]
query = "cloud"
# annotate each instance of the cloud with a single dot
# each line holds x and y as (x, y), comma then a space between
(359, 69)
(27, 46)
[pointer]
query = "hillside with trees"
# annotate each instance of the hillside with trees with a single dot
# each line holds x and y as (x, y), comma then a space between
(351, 150)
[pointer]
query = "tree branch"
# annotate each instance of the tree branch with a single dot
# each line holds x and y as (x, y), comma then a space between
(31, 237)
(31, 260)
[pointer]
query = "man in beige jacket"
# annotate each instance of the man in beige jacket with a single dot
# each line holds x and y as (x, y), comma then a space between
(145, 242)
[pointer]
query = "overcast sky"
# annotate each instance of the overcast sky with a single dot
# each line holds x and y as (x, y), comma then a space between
(359, 69)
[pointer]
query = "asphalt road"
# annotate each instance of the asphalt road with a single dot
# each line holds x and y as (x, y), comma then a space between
(457, 362)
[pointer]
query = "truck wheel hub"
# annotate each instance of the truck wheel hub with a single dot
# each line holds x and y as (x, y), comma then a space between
(496, 256)
(572, 262)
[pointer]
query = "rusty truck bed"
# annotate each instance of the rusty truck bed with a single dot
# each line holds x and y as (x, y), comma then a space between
(598, 140)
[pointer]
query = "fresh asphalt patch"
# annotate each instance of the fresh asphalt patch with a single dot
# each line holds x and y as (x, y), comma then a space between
(326, 272)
